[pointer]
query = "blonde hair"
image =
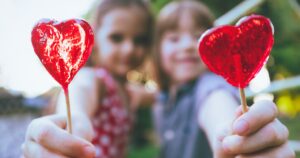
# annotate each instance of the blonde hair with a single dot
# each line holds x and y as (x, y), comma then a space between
(168, 19)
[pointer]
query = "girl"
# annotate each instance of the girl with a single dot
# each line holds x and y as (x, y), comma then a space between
(100, 97)
(194, 114)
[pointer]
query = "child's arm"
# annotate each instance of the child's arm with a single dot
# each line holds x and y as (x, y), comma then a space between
(140, 96)
(216, 113)
(47, 137)
(256, 133)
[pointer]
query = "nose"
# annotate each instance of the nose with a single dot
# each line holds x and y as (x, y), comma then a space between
(188, 43)
(128, 47)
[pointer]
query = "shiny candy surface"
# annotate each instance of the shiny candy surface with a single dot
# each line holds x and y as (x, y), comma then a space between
(238, 52)
(63, 47)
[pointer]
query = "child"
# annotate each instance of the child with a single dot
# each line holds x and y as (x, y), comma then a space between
(100, 97)
(194, 114)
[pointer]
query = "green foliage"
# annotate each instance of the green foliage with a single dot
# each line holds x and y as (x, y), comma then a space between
(149, 151)
(285, 20)
(294, 128)
(158, 4)
(220, 7)
(285, 60)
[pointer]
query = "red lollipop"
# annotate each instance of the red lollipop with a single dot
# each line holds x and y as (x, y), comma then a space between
(63, 48)
(237, 53)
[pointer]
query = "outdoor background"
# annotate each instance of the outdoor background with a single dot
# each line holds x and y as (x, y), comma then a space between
(27, 90)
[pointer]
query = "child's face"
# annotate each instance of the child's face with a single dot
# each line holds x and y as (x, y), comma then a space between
(121, 40)
(179, 55)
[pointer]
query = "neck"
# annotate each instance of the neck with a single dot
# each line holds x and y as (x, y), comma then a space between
(175, 86)
(173, 90)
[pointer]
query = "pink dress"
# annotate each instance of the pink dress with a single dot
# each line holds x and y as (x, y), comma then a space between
(112, 121)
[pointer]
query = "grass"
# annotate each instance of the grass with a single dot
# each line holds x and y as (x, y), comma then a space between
(149, 151)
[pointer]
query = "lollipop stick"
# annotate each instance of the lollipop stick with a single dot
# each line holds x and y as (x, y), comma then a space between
(69, 120)
(243, 100)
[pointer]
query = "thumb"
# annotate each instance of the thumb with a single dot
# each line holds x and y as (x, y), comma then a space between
(49, 133)
(220, 151)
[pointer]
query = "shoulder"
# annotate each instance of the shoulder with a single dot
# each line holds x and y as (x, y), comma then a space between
(212, 87)
(209, 82)
(221, 95)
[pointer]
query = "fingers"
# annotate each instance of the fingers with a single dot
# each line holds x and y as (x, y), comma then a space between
(239, 111)
(53, 138)
(283, 151)
(260, 114)
(217, 145)
(34, 150)
(273, 134)
(52, 120)
(59, 120)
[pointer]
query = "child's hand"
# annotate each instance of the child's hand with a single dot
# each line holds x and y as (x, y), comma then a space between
(255, 134)
(46, 137)
(139, 96)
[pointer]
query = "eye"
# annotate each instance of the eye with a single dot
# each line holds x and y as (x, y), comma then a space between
(173, 37)
(116, 38)
(141, 40)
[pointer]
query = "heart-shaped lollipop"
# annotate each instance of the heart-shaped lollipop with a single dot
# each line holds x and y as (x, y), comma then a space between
(238, 52)
(62, 47)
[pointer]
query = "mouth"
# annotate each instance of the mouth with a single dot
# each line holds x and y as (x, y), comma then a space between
(188, 60)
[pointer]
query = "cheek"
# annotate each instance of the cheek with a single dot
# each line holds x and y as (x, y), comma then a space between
(167, 55)
(106, 50)
(167, 48)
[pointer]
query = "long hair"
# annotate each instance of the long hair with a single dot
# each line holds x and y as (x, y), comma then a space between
(168, 19)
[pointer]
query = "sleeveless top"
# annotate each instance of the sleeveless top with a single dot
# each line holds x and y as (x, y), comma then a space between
(112, 121)
(177, 123)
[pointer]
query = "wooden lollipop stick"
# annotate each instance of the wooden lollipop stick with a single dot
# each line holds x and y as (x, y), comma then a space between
(243, 100)
(69, 120)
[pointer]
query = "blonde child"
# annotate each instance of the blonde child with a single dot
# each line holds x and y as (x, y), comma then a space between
(101, 99)
(197, 113)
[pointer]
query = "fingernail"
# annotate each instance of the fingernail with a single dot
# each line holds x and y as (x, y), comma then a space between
(240, 127)
(238, 111)
(220, 138)
(226, 144)
(89, 151)
(230, 144)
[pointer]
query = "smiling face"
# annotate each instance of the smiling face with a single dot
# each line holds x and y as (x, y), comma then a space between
(122, 40)
(179, 56)
(178, 28)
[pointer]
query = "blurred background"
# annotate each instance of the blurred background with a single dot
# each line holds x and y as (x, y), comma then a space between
(27, 90)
